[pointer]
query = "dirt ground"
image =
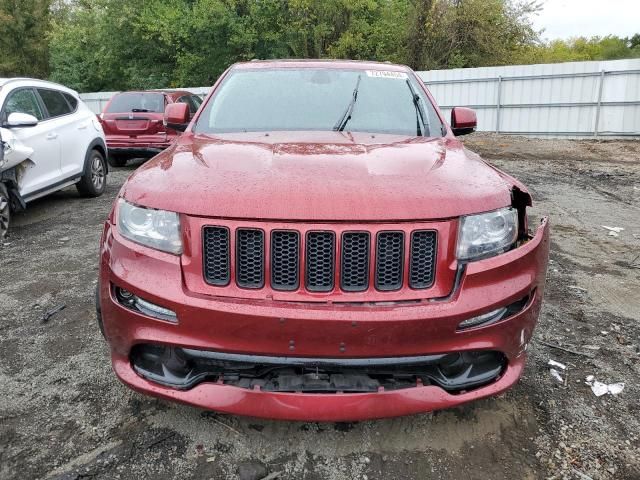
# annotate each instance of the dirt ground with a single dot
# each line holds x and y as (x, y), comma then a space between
(64, 415)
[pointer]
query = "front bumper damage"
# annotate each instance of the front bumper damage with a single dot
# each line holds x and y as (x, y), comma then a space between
(287, 360)
(184, 368)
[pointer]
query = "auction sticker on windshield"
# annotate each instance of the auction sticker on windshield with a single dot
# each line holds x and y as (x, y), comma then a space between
(387, 74)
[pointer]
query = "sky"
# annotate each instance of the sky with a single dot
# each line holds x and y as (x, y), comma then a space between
(572, 18)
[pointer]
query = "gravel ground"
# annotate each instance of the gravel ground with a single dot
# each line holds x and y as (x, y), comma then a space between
(63, 414)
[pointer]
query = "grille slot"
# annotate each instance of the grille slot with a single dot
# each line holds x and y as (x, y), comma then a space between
(320, 256)
(389, 260)
(215, 244)
(354, 271)
(423, 259)
(250, 258)
(285, 254)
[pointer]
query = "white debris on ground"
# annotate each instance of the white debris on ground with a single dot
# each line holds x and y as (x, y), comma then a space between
(575, 287)
(599, 388)
(556, 374)
(559, 365)
(555, 371)
(613, 231)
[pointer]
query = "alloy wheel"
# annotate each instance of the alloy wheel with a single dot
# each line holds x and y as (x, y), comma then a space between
(97, 172)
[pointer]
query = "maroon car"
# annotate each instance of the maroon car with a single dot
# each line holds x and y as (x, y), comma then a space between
(318, 245)
(133, 123)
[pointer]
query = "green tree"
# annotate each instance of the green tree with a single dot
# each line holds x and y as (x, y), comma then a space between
(23, 37)
(474, 33)
(127, 44)
(97, 45)
(581, 49)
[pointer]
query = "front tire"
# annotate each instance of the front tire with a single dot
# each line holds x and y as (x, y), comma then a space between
(5, 211)
(94, 182)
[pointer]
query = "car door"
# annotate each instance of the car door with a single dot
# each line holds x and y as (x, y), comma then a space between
(70, 126)
(43, 171)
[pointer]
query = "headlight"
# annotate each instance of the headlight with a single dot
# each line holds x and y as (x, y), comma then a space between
(487, 234)
(154, 228)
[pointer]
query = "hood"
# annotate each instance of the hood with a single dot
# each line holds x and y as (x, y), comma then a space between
(318, 176)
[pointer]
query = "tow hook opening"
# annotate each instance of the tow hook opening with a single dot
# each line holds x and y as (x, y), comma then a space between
(183, 368)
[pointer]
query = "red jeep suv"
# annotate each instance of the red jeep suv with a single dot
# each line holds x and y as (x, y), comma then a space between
(133, 123)
(319, 245)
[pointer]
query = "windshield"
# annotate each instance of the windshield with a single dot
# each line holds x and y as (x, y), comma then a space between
(319, 99)
(137, 102)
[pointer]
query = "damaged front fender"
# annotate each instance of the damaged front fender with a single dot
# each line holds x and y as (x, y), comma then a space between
(14, 151)
(14, 162)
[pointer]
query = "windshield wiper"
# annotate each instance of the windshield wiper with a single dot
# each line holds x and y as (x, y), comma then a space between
(346, 116)
(417, 102)
(140, 110)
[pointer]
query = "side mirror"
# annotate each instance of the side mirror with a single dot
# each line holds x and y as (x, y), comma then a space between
(21, 120)
(176, 116)
(463, 121)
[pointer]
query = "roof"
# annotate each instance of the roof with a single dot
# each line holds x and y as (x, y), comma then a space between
(37, 82)
(171, 93)
(320, 63)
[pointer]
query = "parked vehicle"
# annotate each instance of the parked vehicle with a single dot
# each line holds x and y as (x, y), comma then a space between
(50, 140)
(319, 246)
(133, 123)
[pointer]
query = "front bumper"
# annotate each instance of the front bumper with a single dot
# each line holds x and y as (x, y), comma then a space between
(340, 331)
(316, 406)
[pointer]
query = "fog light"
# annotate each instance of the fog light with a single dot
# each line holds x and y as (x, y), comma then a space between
(133, 302)
(125, 297)
(485, 319)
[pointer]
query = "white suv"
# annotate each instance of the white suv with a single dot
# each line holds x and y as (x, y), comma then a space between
(50, 140)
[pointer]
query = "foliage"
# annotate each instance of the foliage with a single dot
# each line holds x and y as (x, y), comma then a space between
(23, 28)
(582, 49)
(473, 33)
(94, 45)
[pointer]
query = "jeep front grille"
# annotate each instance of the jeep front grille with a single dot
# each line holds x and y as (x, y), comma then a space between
(319, 261)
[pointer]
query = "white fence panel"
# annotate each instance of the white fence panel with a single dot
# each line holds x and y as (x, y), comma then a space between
(97, 101)
(577, 99)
